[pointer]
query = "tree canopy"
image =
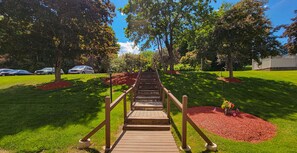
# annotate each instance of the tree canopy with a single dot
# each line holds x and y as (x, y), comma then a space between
(160, 22)
(243, 33)
(291, 33)
(56, 30)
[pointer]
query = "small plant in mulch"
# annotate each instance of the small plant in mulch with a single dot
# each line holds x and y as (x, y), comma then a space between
(55, 85)
(228, 107)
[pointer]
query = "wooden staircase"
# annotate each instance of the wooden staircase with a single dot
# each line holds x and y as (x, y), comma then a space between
(147, 127)
(147, 109)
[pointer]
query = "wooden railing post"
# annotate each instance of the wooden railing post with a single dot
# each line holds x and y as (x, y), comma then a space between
(125, 106)
(163, 96)
(168, 104)
(184, 123)
(107, 124)
(131, 98)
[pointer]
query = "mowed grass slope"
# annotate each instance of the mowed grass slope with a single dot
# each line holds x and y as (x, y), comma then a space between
(271, 96)
(32, 120)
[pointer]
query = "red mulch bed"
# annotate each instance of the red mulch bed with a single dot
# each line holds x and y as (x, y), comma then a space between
(242, 127)
(122, 78)
(54, 85)
(172, 72)
(229, 80)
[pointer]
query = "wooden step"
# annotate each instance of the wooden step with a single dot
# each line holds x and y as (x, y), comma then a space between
(142, 87)
(148, 92)
(146, 127)
(147, 79)
(148, 98)
(148, 105)
(147, 117)
(149, 83)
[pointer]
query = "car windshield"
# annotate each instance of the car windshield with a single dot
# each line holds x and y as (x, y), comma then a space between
(78, 67)
(7, 70)
(13, 71)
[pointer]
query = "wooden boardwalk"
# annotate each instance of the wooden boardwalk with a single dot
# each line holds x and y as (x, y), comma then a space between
(146, 141)
(147, 127)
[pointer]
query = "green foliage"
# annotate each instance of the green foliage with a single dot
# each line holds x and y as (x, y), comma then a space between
(147, 58)
(190, 58)
(129, 62)
(269, 95)
(244, 33)
(291, 33)
(118, 64)
(162, 59)
(160, 23)
(195, 43)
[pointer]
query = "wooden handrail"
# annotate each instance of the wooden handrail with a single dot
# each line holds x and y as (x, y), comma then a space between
(108, 108)
(185, 118)
(117, 101)
(93, 131)
(176, 101)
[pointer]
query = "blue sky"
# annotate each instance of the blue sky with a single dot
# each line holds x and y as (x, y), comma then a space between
(280, 12)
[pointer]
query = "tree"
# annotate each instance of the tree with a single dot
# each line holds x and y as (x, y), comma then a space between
(147, 59)
(291, 33)
(160, 22)
(244, 33)
(61, 29)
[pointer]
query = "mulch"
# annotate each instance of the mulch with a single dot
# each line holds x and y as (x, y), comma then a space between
(122, 78)
(229, 80)
(54, 85)
(242, 127)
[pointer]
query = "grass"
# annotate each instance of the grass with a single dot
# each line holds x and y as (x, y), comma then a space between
(268, 95)
(53, 121)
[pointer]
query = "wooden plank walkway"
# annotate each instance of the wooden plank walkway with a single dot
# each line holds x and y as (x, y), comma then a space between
(147, 127)
(146, 142)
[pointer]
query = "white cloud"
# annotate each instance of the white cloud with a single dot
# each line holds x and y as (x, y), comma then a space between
(265, 6)
(128, 47)
(122, 14)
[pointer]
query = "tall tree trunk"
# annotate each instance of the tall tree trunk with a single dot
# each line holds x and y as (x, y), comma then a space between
(169, 47)
(230, 65)
(58, 66)
(171, 56)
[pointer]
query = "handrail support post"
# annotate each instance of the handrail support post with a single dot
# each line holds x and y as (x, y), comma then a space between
(125, 106)
(107, 124)
(168, 105)
(184, 146)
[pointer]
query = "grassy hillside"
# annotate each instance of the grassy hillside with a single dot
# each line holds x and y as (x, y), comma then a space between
(268, 95)
(33, 120)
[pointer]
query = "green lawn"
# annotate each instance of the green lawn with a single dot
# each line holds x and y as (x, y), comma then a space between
(271, 96)
(32, 120)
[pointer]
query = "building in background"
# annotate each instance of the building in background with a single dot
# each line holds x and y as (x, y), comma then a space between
(287, 62)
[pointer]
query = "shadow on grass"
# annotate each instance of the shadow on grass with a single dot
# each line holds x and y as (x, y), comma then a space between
(28, 108)
(263, 98)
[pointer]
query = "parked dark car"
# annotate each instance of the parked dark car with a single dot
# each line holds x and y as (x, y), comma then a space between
(81, 69)
(3, 72)
(18, 72)
(47, 70)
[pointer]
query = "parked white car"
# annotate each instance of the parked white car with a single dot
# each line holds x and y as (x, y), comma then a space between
(81, 69)
(47, 70)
